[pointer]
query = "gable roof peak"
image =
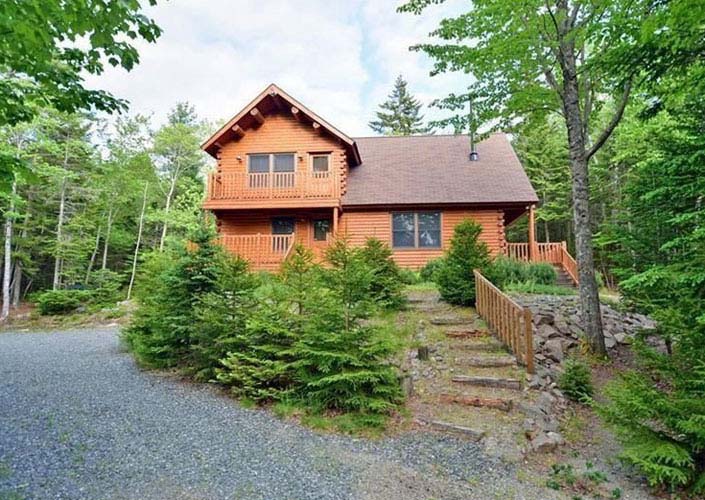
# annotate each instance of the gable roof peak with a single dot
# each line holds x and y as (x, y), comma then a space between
(273, 91)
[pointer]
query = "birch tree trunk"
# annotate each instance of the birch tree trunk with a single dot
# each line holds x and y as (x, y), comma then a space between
(91, 262)
(589, 298)
(137, 245)
(7, 267)
(167, 207)
(59, 236)
(106, 243)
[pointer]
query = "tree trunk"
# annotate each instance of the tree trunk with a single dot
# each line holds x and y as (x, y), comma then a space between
(7, 268)
(59, 236)
(589, 298)
(91, 262)
(106, 243)
(137, 245)
(167, 206)
(16, 284)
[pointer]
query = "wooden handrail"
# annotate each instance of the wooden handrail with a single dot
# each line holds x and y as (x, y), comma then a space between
(245, 186)
(259, 249)
(511, 323)
(554, 253)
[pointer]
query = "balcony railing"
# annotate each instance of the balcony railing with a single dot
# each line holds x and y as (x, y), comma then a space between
(554, 253)
(262, 251)
(273, 186)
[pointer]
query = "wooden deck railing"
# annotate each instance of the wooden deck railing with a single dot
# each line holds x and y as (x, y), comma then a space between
(261, 250)
(244, 186)
(511, 322)
(554, 253)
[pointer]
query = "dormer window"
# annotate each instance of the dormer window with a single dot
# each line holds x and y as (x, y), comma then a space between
(320, 162)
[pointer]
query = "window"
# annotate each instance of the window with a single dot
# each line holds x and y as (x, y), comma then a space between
(283, 225)
(265, 163)
(321, 228)
(416, 230)
(320, 163)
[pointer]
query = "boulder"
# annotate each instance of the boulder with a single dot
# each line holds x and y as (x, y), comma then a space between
(546, 441)
(554, 349)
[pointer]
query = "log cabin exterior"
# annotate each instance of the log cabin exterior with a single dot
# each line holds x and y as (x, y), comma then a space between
(285, 175)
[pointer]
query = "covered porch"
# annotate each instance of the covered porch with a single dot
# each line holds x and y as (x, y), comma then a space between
(554, 253)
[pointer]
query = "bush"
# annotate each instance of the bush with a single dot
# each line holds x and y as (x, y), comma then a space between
(54, 302)
(576, 381)
(163, 326)
(429, 272)
(386, 278)
(409, 277)
(106, 286)
(504, 271)
(456, 280)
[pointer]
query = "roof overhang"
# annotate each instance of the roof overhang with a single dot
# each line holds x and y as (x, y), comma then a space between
(274, 99)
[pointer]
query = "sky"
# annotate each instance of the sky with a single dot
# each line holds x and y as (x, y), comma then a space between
(339, 58)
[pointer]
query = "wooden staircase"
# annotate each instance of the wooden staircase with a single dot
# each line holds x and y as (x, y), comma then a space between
(563, 278)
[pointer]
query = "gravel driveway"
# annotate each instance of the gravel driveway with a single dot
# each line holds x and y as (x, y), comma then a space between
(78, 420)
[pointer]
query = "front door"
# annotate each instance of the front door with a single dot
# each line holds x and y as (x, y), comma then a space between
(320, 235)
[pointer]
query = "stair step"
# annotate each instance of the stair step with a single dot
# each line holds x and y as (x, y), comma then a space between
(458, 429)
(505, 383)
(464, 399)
(465, 333)
(487, 361)
(449, 321)
(479, 346)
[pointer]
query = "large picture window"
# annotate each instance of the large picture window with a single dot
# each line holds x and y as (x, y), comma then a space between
(416, 230)
(282, 164)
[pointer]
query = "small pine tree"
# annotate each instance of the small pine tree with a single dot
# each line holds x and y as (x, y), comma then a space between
(386, 285)
(400, 113)
(455, 277)
(341, 363)
(161, 331)
(261, 367)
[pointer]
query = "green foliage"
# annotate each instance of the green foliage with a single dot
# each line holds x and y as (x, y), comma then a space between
(106, 286)
(55, 302)
(402, 113)
(386, 281)
(456, 280)
(531, 287)
(576, 381)
(430, 271)
(48, 47)
(162, 330)
(504, 271)
(342, 363)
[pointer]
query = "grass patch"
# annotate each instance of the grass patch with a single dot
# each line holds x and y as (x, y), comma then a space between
(424, 286)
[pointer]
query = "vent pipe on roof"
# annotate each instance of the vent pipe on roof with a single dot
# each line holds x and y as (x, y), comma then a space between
(471, 127)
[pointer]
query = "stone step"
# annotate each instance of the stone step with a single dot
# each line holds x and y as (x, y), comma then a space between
(487, 361)
(449, 320)
(504, 383)
(457, 429)
(464, 399)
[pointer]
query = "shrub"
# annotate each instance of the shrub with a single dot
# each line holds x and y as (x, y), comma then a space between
(658, 409)
(342, 363)
(504, 271)
(409, 277)
(576, 381)
(106, 286)
(386, 279)
(456, 280)
(429, 272)
(54, 302)
(163, 325)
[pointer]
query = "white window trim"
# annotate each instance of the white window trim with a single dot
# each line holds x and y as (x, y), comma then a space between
(311, 156)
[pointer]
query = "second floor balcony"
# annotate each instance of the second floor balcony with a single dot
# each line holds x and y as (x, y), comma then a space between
(272, 190)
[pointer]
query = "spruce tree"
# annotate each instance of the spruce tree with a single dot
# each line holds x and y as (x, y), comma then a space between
(399, 115)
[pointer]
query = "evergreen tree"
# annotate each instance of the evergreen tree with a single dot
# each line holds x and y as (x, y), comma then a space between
(399, 114)
(455, 278)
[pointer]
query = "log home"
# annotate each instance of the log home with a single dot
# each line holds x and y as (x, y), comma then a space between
(286, 175)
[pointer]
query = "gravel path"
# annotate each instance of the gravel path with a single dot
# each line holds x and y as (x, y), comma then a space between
(78, 420)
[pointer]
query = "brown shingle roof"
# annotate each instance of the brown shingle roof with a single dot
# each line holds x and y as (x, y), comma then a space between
(436, 169)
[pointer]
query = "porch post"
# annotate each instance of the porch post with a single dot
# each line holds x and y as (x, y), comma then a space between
(533, 248)
(335, 222)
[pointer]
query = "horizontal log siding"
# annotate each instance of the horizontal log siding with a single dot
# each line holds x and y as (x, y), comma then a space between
(360, 225)
(281, 133)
